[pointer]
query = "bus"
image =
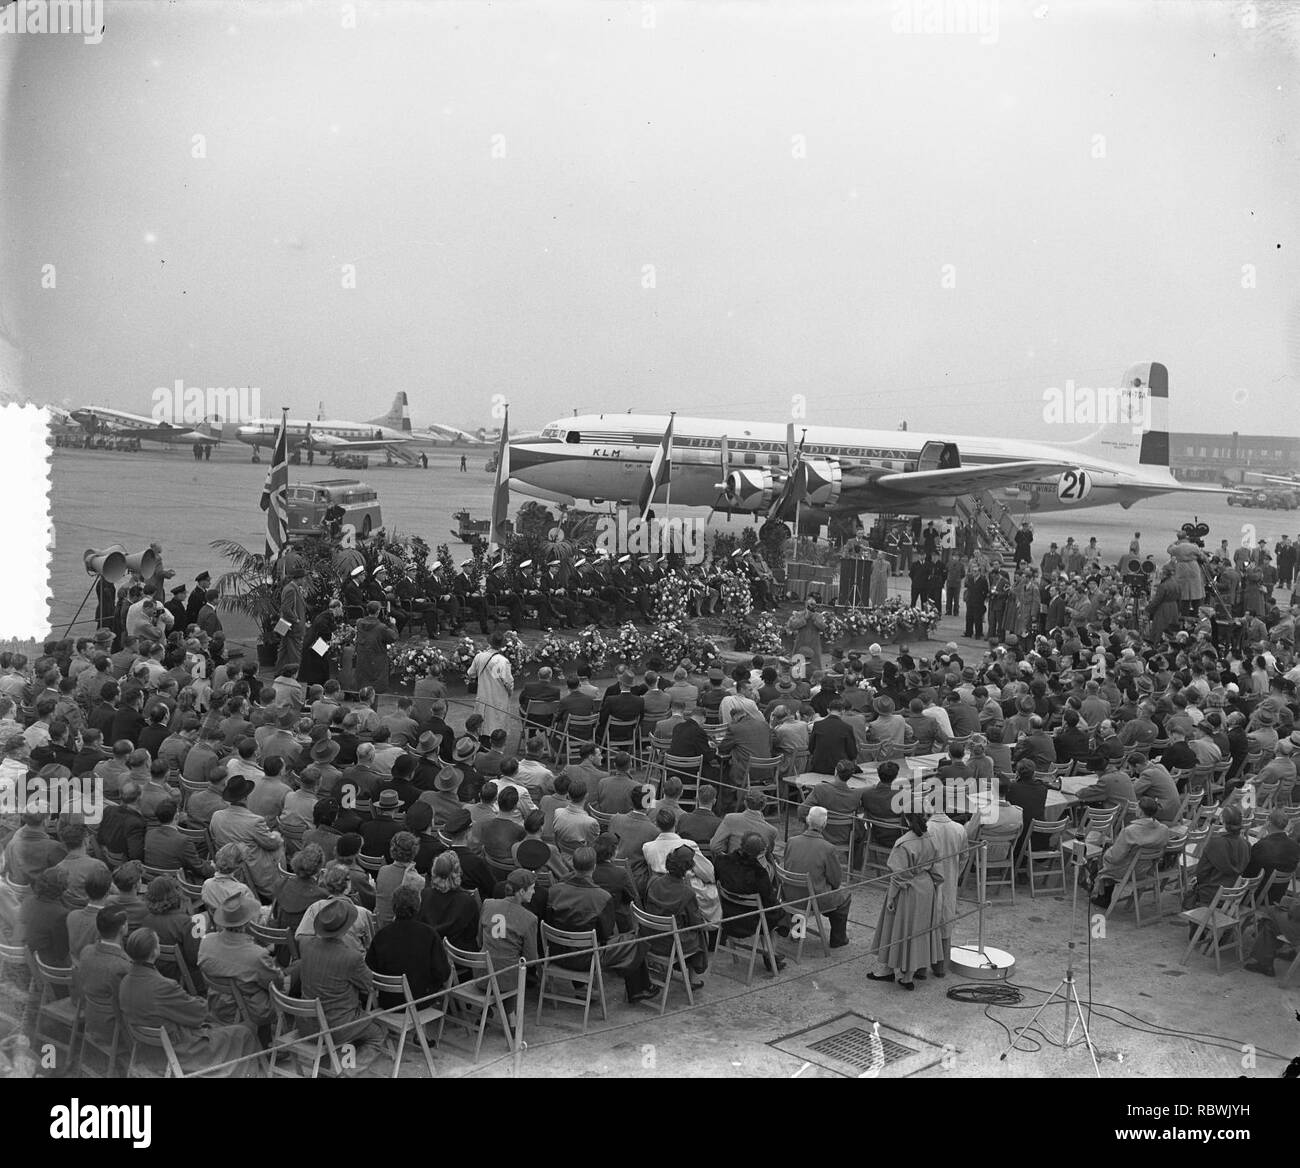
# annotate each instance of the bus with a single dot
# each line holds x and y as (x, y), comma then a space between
(308, 503)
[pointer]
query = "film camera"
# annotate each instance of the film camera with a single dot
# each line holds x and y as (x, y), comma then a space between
(1196, 532)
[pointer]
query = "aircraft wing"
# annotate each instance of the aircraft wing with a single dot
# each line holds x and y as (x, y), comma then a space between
(962, 480)
(1260, 477)
(330, 442)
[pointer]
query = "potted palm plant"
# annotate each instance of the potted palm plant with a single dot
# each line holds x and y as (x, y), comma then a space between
(250, 589)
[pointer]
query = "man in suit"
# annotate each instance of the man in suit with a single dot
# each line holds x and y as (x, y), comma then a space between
(1037, 746)
(624, 705)
(977, 596)
(197, 598)
(746, 737)
(811, 854)
(540, 689)
(176, 606)
(99, 970)
(122, 828)
(690, 739)
(831, 740)
(1029, 793)
(574, 702)
(293, 609)
(1145, 831)
(165, 847)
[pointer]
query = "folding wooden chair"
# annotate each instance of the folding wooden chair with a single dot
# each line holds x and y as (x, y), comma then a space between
(1103, 820)
(229, 987)
(688, 768)
(875, 853)
(752, 947)
(796, 890)
(172, 955)
(66, 1011)
(370, 864)
(578, 728)
(1222, 915)
(763, 774)
(91, 1041)
(411, 1017)
(154, 1037)
(151, 873)
(622, 734)
(840, 819)
(300, 1047)
(199, 837)
(477, 996)
(1043, 863)
(663, 967)
(15, 981)
(557, 943)
(999, 865)
(1141, 875)
(281, 942)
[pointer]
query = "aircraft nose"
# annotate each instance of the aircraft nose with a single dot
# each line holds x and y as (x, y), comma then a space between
(525, 457)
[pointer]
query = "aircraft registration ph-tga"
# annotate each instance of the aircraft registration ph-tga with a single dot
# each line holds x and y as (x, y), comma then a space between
(742, 466)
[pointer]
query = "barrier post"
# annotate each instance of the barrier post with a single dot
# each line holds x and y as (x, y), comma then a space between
(519, 1015)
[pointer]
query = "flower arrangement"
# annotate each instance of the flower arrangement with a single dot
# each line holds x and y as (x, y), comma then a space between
(557, 652)
(887, 621)
(412, 662)
(667, 641)
(737, 600)
(343, 634)
(462, 654)
(672, 600)
(591, 645)
(629, 644)
(515, 650)
(764, 637)
(701, 651)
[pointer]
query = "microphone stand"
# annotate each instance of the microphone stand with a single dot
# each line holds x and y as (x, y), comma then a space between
(1067, 990)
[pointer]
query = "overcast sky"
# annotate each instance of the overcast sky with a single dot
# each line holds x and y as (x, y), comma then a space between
(798, 175)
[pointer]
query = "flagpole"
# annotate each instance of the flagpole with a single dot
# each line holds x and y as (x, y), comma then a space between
(668, 498)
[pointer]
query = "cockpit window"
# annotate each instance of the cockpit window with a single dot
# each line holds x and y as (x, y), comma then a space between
(572, 436)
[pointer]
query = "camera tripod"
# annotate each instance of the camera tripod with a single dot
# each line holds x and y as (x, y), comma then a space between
(1067, 990)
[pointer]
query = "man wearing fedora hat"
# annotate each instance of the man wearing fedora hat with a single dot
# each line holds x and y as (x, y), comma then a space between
(230, 951)
(263, 849)
(888, 727)
(337, 974)
(427, 751)
(377, 833)
(454, 836)
(443, 799)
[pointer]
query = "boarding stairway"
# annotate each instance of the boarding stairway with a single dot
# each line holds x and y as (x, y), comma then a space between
(995, 529)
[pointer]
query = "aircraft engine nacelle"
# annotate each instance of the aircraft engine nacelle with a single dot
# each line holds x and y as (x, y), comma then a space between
(823, 482)
(750, 489)
(1074, 486)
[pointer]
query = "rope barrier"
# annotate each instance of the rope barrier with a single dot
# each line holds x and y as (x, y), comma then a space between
(594, 952)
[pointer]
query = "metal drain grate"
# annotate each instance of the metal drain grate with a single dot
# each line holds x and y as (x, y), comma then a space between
(861, 1049)
(846, 1045)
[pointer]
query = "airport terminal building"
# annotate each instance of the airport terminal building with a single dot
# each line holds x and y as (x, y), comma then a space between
(1211, 457)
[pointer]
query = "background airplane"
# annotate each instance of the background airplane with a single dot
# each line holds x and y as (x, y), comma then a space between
(121, 424)
(390, 432)
(754, 466)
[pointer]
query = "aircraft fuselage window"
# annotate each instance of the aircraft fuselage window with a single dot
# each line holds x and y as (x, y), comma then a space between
(572, 436)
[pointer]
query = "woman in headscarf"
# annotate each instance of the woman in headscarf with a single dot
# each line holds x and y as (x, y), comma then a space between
(908, 935)
(147, 998)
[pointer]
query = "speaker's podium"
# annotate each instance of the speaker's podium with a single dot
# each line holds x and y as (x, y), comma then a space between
(855, 581)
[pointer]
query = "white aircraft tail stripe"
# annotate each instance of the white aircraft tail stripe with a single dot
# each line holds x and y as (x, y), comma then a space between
(398, 416)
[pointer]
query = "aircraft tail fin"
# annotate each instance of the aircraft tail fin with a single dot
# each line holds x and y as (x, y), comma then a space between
(1132, 418)
(398, 416)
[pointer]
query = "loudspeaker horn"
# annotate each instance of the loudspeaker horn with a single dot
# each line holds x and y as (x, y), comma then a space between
(142, 563)
(109, 562)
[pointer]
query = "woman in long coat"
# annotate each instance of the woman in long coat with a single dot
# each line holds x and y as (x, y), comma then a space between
(807, 627)
(908, 938)
(147, 998)
(314, 668)
(878, 592)
(1163, 607)
(496, 681)
(374, 635)
(1187, 559)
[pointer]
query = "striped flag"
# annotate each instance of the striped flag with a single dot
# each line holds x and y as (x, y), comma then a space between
(275, 490)
(661, 469)
(785, 506)
(501, 486)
